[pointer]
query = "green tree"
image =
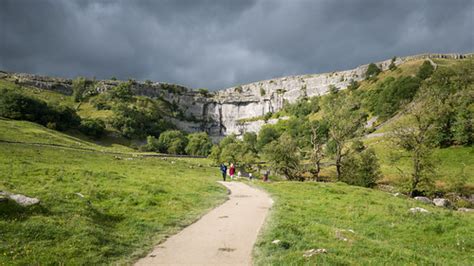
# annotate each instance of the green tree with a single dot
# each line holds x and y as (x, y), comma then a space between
(284, 157)
(319, 137)
(199, 144)
(360, 167)
(345, 121)
(93, 127)
(79, 87)
(215, 155)
(266, 135)
(152, 144)
(414, 139)
(172, 142)
(372, 71)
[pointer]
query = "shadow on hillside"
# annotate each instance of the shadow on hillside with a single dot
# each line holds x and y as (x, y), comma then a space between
(10, 210)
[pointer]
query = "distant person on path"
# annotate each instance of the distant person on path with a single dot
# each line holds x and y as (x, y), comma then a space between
(265, 175)
(231, 171)
(224, 171)
(250, 176)
(239, 174)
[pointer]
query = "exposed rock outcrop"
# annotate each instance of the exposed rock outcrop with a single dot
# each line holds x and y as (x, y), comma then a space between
(219, 113)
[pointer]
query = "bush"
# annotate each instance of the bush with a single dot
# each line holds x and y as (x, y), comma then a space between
(353, 85)
(425, 71)
(266, 135)
(372, 71)
(361, 167)
(92, 127)
(199, 144)
(16, 106)
(121, 92)
(152, 144)
(172, 142)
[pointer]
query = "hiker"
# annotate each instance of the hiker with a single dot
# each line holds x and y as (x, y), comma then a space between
(265, 175)
(239, 174)
(224, 171)
(250, 176)
(231, 171)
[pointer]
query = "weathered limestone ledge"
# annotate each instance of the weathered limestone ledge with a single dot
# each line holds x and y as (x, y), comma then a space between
(219, 112)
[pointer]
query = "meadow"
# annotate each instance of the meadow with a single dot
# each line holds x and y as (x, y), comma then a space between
(359, 226)
(97, 208)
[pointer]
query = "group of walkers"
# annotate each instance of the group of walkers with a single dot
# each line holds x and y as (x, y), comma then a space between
(223, 169)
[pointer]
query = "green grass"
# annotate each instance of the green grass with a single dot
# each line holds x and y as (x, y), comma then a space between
(134, 203)
(449, 162)
(318, 215)
(29, 132)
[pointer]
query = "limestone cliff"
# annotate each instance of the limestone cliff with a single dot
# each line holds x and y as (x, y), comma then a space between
(220, 113)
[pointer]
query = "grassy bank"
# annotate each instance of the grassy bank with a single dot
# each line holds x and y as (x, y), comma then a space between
(129, 204)
(377, 227)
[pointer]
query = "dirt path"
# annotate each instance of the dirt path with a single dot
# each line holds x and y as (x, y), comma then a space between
(224, 236)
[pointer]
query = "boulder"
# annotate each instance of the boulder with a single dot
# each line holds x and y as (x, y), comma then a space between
(424, 200)
(24, 200)
(465, 210)
(418, 210)
(440, 202)
(21, 200)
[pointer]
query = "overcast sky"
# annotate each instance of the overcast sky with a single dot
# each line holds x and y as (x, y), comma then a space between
(218, 44)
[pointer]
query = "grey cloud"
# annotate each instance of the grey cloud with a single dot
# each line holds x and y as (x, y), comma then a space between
(218, 44)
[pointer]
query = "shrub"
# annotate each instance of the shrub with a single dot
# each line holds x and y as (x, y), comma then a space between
(92, 127)
(392, 65)
(78, 88)
(361, 168)
(353, 85)
(262, 92)
(266, 135)
(152, 144)
(372, 71)
(425, 70)
(121, 92)
(199, 144)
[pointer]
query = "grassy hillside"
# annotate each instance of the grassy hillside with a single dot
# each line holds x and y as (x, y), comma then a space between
(360, 226)
(130, 202)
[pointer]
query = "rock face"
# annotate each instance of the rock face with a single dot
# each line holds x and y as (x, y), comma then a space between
(223, 112)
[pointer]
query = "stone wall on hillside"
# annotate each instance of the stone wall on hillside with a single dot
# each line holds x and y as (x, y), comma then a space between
(220, 113)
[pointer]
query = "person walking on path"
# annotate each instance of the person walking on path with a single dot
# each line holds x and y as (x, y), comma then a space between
(265, 175)
(224, 171)
(231, 171)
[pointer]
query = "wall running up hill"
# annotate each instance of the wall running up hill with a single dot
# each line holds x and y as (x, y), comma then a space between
(220, 113)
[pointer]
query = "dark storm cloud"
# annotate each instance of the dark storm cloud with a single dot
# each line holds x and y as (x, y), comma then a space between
(218, 44)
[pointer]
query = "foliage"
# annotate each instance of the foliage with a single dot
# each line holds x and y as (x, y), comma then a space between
(172, 142)
(425, 71)
(392, 65)
(79, 87)
(319, 137)
(92, 127)
(392, 94)
(199, 143)
(353, 85)
(262, 92)
(345, 121)
(133, 122)
(266, 135)
(215, 155)
(122, 92)
(203, 91)
(303, 107)
(372, 71)
(17, 106)
(360, 167)
(284, 157)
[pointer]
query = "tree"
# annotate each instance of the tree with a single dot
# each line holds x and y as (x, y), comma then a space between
(360, 167)
(266, 135)
(122, 91)
(199, 144)
(92, 127)
(319, 137)
(250, 138)
(152, 144)
(425, 70)
(345, 121)
(372, 71)
(415, 140)
(392, 65)
(284, 157)
(172, 142)
(79, 87)
(353, 85)
(215, 155)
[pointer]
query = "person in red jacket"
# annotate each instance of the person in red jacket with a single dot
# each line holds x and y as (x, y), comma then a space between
(232, 171)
